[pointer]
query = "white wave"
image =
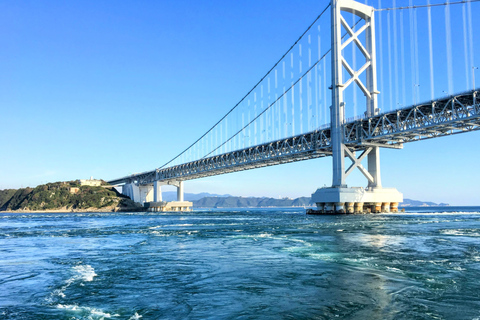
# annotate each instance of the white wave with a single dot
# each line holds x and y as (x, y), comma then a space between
(264, 235)
(323, 256)
(84, 272)
(432, 213)
(461, 232)
(171, 225)
(90, 313)
(304, 242)
(81, 273)
(394, 269)
(136, 316)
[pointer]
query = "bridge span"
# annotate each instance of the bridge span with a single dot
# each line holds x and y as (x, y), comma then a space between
(446, 116)
(449, 115)
(353, 67)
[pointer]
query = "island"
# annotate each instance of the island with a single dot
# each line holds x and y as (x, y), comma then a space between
(75, 196)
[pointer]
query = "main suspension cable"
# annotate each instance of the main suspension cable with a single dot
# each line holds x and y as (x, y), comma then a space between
(272, 104)
(427, 5)
(256, 85)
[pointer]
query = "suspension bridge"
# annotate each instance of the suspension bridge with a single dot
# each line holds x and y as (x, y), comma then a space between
(360, 78)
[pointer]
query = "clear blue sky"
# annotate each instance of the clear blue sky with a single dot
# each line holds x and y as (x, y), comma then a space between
(109, 88)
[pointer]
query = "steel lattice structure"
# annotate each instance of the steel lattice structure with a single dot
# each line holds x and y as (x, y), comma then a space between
(451, 115)
(455, 114)
(303, 147)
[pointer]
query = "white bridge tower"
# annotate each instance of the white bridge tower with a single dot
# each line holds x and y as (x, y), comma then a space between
(339, 198)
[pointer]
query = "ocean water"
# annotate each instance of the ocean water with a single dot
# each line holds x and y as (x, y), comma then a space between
(241, 264)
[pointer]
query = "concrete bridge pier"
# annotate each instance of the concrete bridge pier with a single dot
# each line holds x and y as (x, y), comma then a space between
(180, 191)
(159, 205)
(150, 195)
(138, 193)
(157, 192)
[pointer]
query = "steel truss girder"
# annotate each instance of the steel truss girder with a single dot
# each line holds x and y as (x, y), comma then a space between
(455, 114)
(311, 145)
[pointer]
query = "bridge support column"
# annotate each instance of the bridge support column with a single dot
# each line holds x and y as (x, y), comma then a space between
(132, 191)
(146, 193)
(180, 191)
(374, 168)
(157, 192)
(158, 205)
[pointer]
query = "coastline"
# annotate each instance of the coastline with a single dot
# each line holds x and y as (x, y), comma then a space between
(65, 210)
(140, 209)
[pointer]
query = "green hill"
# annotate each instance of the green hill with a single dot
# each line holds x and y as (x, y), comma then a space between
(63, 196)
(6, 195)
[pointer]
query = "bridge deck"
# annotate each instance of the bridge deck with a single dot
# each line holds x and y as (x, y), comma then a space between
(450, 115)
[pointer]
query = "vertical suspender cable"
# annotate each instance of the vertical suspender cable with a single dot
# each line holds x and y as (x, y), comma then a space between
(255, 115)
(390, 73)
(395, 58)
(221, 135)
(402, 48)
(309, 85)
(293, 94)
(276, 120)
(285, 101)
(325, 114)
(249, 127)
(354, 62)
(430, 51)
(260, 120)
(300, 93)
(417, 73)
(470, 33)
(412, 54)
(380, 65)
(448, 43)
(317, 84)
(271, 113)
(465, 46)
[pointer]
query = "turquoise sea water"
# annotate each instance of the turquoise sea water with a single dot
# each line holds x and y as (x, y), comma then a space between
(241, 264)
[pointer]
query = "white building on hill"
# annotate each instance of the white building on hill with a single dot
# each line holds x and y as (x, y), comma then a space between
(91, 182)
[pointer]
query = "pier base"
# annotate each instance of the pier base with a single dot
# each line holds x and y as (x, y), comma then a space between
(355, 200)
(163, 206)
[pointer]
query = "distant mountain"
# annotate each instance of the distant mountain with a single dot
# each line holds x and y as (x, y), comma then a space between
(172, 196)
(417, 203)
(249, 202)
(253, 202)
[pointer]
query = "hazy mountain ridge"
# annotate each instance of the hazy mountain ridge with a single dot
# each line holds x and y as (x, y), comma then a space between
(252, 202)
(172, 196)
(417, 203)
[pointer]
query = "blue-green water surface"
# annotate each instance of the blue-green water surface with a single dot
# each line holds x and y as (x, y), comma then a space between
(241, 264)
